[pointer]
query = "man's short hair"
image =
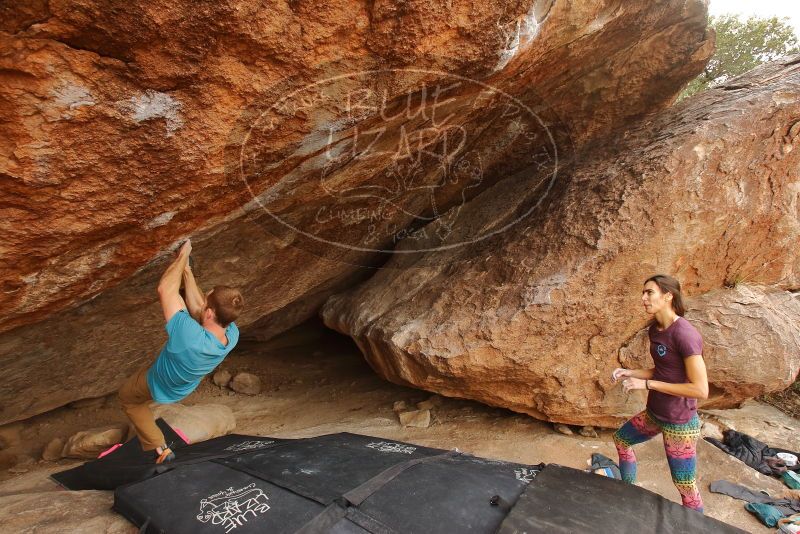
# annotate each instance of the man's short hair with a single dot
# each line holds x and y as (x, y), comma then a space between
(227, 303)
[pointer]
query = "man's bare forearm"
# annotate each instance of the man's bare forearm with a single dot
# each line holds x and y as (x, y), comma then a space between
(171, 279)
(195, 299)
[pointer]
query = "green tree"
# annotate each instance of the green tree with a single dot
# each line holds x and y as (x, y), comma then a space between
(743, 45)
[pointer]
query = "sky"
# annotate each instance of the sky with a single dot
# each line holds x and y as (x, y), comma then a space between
(760, 8)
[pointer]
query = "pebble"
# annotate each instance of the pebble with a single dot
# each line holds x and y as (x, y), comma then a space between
(416, 418)
(222, 378)
(563, 429)
(7, 459)
(246, 383)
(431, 403)
(52, 451)
(399, 406)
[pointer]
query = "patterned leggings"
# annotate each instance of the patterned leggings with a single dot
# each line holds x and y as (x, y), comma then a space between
(680, 444)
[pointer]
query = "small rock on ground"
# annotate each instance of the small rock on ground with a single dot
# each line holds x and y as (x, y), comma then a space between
(10, 435)
(588, 432)
(246, 383)
(7, 459)
(222, 378)
(711, 430)
(399, 406)
(416, 418)
(52, 450)
(434, 401)
(563, 429)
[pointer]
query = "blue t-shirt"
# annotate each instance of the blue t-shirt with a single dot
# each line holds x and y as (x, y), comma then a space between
(191, 352)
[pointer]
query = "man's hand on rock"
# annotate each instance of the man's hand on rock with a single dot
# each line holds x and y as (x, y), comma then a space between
(186, 248)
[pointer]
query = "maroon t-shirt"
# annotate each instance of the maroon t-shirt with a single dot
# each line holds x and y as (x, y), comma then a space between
(668, 349)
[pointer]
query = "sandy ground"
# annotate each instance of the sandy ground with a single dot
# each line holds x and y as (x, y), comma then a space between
(316, 382)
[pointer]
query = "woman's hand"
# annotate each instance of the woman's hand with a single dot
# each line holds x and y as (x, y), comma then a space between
(632, 383)
(619, 372)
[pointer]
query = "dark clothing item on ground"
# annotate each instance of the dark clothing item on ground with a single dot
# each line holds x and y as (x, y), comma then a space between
(777, 465)
(768, 514)
(791, 479)
(785, 506)
(600, 461)
(790, 525)
(750, 450)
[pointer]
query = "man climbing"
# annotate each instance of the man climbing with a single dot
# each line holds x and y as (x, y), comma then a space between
(197, 343)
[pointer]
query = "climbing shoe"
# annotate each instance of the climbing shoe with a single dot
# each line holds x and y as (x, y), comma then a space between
(166, 456)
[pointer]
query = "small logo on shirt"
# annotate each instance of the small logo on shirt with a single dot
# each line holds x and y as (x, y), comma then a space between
(661, 350)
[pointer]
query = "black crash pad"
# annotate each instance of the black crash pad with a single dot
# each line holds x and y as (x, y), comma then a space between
(565, 500)
(335, 483)
(353, 484)
(130, 464)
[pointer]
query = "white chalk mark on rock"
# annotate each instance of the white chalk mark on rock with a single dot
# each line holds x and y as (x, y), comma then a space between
(72, 96)
(518, 34)
(156, 105)
(538, 292)
(160, 220)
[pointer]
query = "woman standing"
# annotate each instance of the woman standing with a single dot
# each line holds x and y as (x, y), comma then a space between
(675, 383)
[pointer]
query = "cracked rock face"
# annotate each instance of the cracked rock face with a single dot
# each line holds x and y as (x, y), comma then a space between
(275, 136)
(537, 319)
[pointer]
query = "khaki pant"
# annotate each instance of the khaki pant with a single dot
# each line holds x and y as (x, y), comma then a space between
(135, 398)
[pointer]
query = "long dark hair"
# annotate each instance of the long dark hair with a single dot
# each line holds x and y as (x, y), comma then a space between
(667, 284)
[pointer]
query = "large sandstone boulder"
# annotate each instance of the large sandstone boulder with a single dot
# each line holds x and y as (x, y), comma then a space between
(90, 443)
(199, 422)
(54, 512)
(535, 319)
(126, 130)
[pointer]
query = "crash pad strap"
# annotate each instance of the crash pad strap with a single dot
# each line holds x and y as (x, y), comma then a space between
(370, 524)
(324, 521)
(358, 495)
(338, 509)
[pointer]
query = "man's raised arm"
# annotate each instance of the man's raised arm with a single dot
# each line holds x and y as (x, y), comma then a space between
(170, 283)
(195, 299)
